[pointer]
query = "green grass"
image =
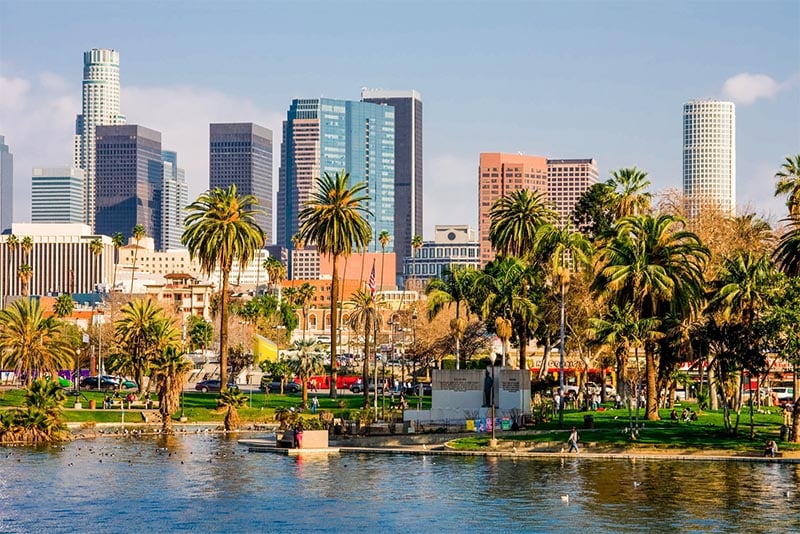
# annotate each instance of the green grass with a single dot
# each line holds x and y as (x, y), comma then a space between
(707, 433)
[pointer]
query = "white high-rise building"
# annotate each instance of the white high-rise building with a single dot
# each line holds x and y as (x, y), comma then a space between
(709, 155)
(100, 106)
(6, 186)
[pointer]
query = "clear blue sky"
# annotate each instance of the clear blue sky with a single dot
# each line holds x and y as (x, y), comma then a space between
(560, 79)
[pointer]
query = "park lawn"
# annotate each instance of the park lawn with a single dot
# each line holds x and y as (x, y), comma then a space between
(707, 433)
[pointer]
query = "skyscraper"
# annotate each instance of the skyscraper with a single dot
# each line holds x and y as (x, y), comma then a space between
(100, 106)
(6, 186)
(129, 180)
(567, 179)
(241, 154)
(174, 198)
(57, 195)
(326, 135)
(709, 155)
(407, 166)
(499, 175)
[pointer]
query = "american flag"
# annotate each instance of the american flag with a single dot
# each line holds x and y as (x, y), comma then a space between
(371, 283)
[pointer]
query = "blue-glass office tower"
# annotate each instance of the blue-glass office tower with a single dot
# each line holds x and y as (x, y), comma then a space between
(241, 154)
(326, 135)
(174, 199)
(6, 186)
(129, 174)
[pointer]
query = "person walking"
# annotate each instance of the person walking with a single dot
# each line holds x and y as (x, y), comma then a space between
(314, 404)
(573, 441)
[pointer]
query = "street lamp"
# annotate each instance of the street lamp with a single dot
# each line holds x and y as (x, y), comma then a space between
(563, 275)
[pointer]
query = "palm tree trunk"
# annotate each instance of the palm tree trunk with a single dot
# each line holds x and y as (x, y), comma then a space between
(622, 372)
(223, 330)
(545, 357)
(650, 372)
(334, 324)
(133, 269)
(365, 371)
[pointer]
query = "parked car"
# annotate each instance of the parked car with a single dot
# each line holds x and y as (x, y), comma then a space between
(288, 387)
(785, 394)
(106, 382)
(426, 388)
(211, 385)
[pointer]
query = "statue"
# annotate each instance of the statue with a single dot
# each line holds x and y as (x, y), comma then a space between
(488, 384)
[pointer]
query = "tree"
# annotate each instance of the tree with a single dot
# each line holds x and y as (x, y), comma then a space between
(789, 184)
(594, 212)
(453, 288)
(170, 368)
(304, 298)
(787, 253)
(25, 273)
(137, 234)
(416, 244)
(64, 306)
(27, 245)
(333, 220)
(117, 240)
(276, 272)
(631, 197)
(306, 364)
(141, 333)
(39, 420)
(383, 239)
(221, 228)
(32, 344)
(653, 263)
(515, 221)
(364, 315)
(200, 332)
(231, 399)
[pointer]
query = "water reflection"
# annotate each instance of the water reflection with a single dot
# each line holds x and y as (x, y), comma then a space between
(211, 483)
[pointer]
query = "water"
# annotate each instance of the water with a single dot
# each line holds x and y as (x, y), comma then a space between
(210, 483)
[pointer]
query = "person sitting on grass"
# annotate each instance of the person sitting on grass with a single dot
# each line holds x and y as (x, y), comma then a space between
(673, 415)
(771, 449)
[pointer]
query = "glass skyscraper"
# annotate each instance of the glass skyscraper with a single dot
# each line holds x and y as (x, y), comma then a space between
(174, 199)
(327, 135)
(709, 156)
(241, 154)
(408, 166)
(57, 195)
(129, 181)
(6, 186)
(100, 106)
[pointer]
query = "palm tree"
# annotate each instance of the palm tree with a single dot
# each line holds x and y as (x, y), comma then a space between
(787, 253)
(32, 343)
(453, 288)
(383, 239)
(743, 287)
(46, 395)
(117, 240)
(138, 234)
(276, 272)
(27, 245)
(515, 222)
(169, 371)
(231, 399)
(221, 228)
(25, 273)
(12, 242)
(306, 364)
(365, 315)
(416, 244)
(334, 220)
(653, 263)
(64, 306)
(142, 332)
(96, 248)
(631, 195)
(789, 183)
(303, 298)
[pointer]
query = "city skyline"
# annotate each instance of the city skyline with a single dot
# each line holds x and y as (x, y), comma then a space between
(612, 96)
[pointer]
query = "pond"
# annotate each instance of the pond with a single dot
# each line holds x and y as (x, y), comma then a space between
(211, 483)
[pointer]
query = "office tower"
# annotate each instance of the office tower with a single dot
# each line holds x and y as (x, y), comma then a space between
(6, 186)
(62, 260)
(100, 106)
(174, 199)
(57, 195)
(129, 178)
(241, 154)
(326, 135)
(709, 155)
(407, 166)
(499, 175)
(567, 179)
(453, 246)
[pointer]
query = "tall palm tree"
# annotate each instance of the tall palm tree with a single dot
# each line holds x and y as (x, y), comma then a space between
(304, 298)
(787, 253)
(653, 263)
(142, 331)
(383, 239)
(515, 222)
(276, 272)
(96, 248)
(12, 242)
(306, 364)
(27, 246)
(453, 288)
(169, 371)
(221, 228)
(365, 315)
(64, 305)
(632, 197)
(25, 273)
(416, 244)
(789, 184)
(117, 239)
(32, 343)
(743, 287)
(138, 234)
(334, 220)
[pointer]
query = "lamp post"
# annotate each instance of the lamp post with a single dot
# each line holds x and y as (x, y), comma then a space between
(562, 278)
